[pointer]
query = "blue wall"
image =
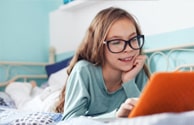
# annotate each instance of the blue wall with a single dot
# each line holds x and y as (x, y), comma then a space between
(168, 39)
(24, 32)
(24, 29)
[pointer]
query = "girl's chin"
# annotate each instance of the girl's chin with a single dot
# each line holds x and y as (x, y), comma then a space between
(128, 68)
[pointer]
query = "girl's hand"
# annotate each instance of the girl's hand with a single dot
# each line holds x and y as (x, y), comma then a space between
(137, 66)
(126, 107)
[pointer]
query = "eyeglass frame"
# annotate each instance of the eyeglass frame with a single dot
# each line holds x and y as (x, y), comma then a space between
(126, 42)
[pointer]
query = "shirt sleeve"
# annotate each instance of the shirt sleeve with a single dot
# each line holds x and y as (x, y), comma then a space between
(76, 96)
(131, 89)
(134, 87)
(141, 80)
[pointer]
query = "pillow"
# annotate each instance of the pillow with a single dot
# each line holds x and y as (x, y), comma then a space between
(6, 100)
(33, 119)
(10, 116)
(58, 78)
(52, 68)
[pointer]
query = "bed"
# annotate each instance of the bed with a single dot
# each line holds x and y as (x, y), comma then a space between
(36, 110)
(10, 71)
(177, 58)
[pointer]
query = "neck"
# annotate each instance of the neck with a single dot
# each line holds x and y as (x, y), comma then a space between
(112, 79)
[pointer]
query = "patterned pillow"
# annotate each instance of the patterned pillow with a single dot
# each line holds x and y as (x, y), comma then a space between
(34, 119)
(6, 100)
(2, 102)
(10, 116)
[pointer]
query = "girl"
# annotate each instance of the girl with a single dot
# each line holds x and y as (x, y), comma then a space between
(107, 72)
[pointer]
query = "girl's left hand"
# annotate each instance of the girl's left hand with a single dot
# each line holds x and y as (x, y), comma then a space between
(126, 107)
(137, 66)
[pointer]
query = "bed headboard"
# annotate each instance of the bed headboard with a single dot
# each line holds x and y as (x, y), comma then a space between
(171, 58)
(162, 59)
(12, 71)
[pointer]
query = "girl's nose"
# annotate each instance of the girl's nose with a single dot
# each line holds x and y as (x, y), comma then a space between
(128, 48)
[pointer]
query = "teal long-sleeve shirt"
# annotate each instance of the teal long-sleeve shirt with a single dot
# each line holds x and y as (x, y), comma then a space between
(87, 95)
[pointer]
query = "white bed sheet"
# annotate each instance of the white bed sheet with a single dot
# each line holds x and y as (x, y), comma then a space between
(185, 118)
(42, 100)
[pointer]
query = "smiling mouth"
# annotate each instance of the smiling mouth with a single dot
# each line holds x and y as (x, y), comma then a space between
(127, 59)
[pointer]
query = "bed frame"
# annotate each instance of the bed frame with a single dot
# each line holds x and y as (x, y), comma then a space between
(165, 53)
(26, 66)
(170, 56)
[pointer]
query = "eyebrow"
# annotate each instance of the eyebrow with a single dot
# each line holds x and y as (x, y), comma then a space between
(119, 37)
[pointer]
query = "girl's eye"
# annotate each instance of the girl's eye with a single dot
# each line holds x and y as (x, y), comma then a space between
(134, 39)
(116, 42)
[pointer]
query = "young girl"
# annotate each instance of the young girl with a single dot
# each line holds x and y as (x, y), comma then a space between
(108, 71)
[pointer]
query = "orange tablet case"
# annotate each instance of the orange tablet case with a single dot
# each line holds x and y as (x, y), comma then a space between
(166, 92)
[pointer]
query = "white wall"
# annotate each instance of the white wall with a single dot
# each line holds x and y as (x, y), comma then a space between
(67, 26)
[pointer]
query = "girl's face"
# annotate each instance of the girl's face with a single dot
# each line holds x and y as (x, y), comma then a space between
(122, 29)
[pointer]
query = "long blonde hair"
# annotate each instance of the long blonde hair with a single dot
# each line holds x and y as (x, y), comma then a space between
(92, 47)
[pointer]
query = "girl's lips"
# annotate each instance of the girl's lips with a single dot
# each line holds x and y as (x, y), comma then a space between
(127, 58)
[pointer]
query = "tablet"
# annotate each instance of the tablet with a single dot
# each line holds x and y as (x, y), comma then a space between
(166, 92)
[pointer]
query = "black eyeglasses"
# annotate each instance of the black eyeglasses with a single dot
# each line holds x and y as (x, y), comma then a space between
(119, 45)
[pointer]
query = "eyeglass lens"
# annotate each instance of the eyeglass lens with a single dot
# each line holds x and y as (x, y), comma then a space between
(119, 45)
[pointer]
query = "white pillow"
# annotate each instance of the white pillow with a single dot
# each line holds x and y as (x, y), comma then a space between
(58, 78)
